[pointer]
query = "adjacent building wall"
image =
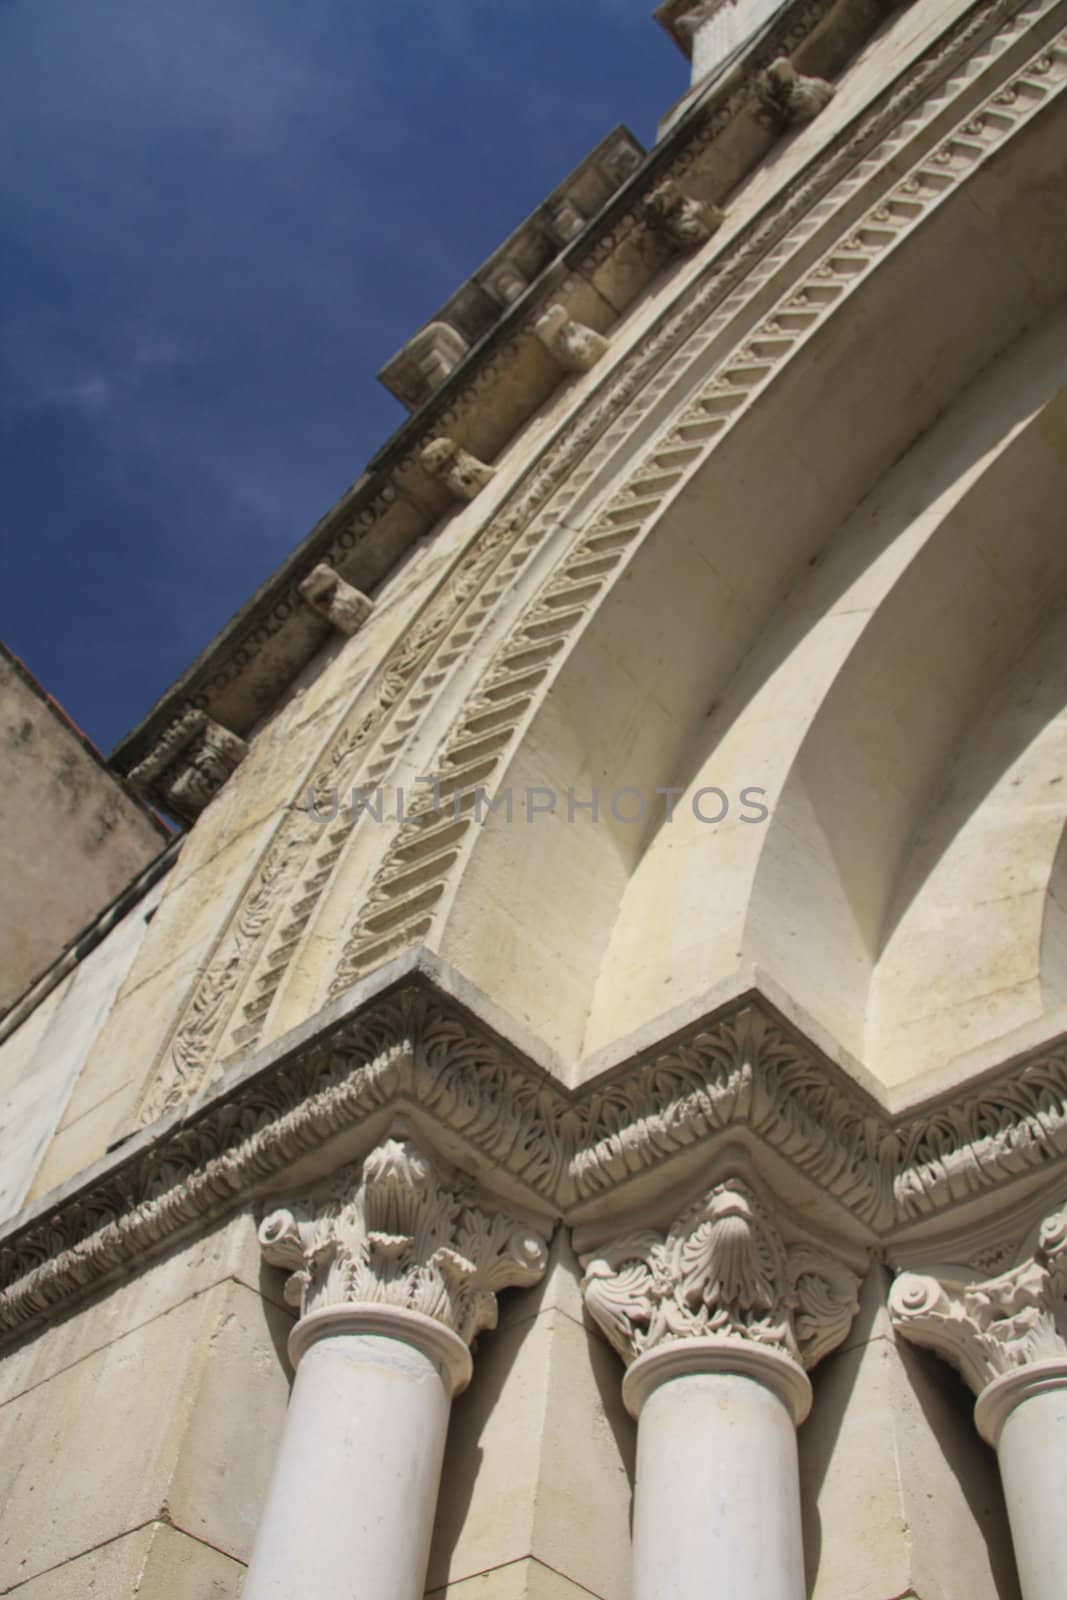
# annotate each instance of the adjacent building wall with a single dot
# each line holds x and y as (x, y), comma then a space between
(71, 834)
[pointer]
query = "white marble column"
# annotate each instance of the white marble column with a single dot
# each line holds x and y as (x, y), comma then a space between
(717, 1321)
(394, 1274)
(1008, 1337)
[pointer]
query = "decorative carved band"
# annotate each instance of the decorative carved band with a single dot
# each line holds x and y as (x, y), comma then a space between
(390, 1232)
(722, 1271)
(741, 1071)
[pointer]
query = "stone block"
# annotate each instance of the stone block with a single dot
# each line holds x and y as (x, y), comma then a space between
(176, 1421)
(899, 1493)
(154, 1563)
(521, 1479)
(519, 1580)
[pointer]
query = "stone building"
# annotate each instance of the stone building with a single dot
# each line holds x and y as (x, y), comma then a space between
(602, 1026)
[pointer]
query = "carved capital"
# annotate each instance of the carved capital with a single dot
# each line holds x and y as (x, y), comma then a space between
(342, 605)
(461, 472)
(994, 1326)
(789, 96)
(391, 1232)
(571, 343)
(722, 1272)
(686, 223)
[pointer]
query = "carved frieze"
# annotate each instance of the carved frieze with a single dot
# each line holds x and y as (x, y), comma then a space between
(659, 470)
(722, 1270)
(886, 1170)
(392, 1232)
(566, 1150)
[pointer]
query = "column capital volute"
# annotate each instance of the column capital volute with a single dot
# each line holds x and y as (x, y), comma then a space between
(727, 1288)
(994, 1330)
(401, 1244)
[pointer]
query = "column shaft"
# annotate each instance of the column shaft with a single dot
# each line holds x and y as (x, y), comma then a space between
(350, 1509)
(717, 1501)
(1031, 1441)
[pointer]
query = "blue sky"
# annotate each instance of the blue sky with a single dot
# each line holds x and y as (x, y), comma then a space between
(220, 218)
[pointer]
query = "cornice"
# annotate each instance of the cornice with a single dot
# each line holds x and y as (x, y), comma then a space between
(243, 672)
(409, 1042)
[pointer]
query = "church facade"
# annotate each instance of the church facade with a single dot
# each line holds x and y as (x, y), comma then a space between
(581, 1110)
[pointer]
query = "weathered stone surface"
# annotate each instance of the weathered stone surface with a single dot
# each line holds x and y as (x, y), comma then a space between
(898, 1495)
(202, 1381)
(157, 1562)
(71, 835)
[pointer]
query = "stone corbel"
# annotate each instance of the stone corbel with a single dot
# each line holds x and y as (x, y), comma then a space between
(789, 96)
(342, 605)
(463, 474)
(568, 220)
(422, 366)
(574, 346)
(506, 283)
(189, 764)
(686, 223)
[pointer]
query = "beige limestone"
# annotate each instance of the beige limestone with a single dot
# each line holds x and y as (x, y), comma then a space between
(846, 588)
(899, 1496)
(203, 1381)
(518, 1580)
(520, 1480)
(228, 1252)
(157, 1562)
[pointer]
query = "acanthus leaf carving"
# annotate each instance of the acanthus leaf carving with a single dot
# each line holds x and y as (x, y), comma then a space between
(722, 1270)
(393, 1232)
(992, 1326)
